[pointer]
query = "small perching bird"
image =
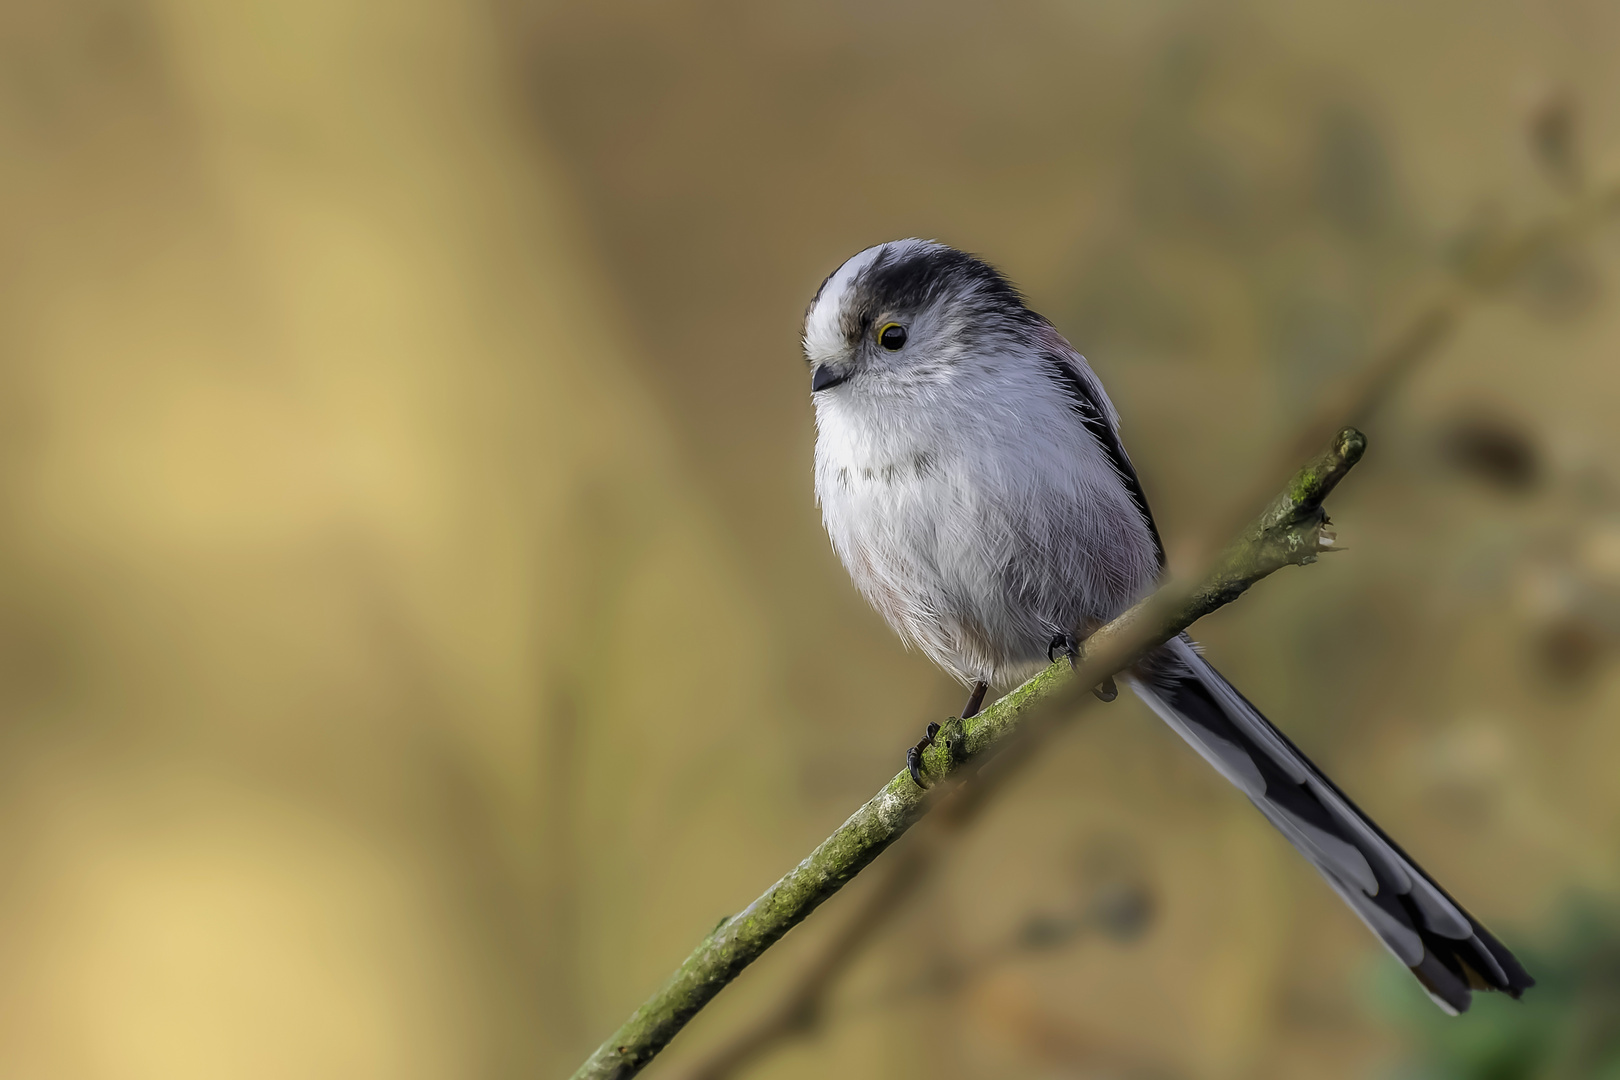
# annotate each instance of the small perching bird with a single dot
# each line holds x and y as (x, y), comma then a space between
(971, 477)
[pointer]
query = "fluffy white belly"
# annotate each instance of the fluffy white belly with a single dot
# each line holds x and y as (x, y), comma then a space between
(978, 549)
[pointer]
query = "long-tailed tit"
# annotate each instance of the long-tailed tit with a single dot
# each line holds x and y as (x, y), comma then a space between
(971, 477)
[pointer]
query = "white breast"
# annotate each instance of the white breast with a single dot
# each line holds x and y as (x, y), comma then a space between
(979, 519)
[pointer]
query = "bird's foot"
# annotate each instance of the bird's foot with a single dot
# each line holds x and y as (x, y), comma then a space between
(1066, 645)
(914, 755)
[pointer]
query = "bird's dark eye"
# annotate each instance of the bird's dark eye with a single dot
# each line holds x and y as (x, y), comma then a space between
(891, 336)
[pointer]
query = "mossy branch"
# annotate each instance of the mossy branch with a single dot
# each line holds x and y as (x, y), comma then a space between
(1289, 533)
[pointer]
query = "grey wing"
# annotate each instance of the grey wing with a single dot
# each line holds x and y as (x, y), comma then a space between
(1069, 370)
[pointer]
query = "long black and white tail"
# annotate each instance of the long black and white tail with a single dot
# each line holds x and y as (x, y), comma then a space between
(1446, 948)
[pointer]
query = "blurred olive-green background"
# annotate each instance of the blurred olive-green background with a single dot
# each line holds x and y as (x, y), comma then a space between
(416, 629)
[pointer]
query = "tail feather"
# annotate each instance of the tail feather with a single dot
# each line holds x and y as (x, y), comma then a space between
(1447, 949)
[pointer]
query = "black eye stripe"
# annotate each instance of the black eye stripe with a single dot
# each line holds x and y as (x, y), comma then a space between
(892, 336)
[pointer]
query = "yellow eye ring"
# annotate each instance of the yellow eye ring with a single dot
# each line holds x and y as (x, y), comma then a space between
(892, 336)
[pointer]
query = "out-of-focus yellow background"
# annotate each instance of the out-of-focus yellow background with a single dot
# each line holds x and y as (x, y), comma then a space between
(416, 628)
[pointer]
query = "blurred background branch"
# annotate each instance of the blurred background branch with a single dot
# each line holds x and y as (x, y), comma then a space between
(1120, 906)
(1485, 262)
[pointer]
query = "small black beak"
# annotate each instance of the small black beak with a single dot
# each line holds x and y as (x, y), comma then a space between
(825, 378)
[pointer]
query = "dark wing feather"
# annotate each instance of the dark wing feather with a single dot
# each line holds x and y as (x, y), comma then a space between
(1094, 415)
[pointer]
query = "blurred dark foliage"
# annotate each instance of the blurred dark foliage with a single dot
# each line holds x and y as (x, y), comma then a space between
(1493, 449)
(1567, 1028)
(1112, 898)
(1553, 137)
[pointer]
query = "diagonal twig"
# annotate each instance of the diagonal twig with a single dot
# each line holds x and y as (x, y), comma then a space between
(1287, 533)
